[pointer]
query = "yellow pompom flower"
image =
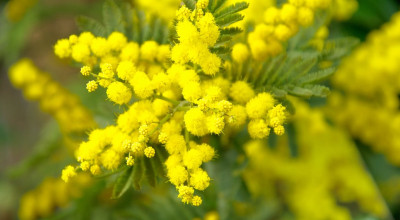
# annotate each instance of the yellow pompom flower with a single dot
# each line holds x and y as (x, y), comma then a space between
(110, 159)
(130, 161)
(116, 41)
(185, 193)
(215, 123)
(73, 39)
(207, 152)
(241, 92)
(63, 48)
(164, 53)
(175, 144)
(202, 4)
(91, 86)
(126, 70)
(80, 52)
(279, 130)
(149, 50)
(258, 48)
(195, 122)
(192, 159)
(209, 31)
(271, 15)
(182, 13)
(149, 152)
(119, 93)
(192, 91)
(288, 13)
(177, 175)
(264, 31)
(258, 129)
(282, 32)
(173, 161)
(161, 82)
(258, 106)
(142, 85)
(199, 179)
(95, 169)
(196, 200)
(67, 173)
(210, 63)
(99, 46)
(130, 52)
(85, 38)
(240, 53)
(86, 70)
(237, 116)
(305, 16)
(85, 165)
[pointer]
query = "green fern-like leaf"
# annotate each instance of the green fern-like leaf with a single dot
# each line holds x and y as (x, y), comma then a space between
(113, 19)
(300, 92)
(88, 24)
(232, 9)
(230, 31)
(221, 50)
(138, 173)
(123, 183)
(191, 4)
(149, 172)
(228, 20)
(216, 4)
(317, 76)
(318, 90)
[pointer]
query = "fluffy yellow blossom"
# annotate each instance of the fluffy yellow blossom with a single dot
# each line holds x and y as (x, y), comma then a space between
(126, 70)
(240, 53)
(241, 92)
(99, 46)
(130, 52)
(91, 86)
(192, 159)
(142, 85)
(175, 144)
(185, 193)
(258, 129)
(199, 179)
(305, 16)
(86, 70)
(149, 50)
(196, 200)
(62, 48)
(119, 93)
(177, 175)
(67, 173)
(258, 106)
(116, 41)
(215, 123)
(195, 122)
(149, 152)
(237, 116)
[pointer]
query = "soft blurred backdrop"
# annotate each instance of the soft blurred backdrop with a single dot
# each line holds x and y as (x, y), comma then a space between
(31, 31)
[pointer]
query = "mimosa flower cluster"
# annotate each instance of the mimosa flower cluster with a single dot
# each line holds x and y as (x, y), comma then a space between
(374, 94)
(66, 108)
(172, 96)
(318, 176)
(51, 194)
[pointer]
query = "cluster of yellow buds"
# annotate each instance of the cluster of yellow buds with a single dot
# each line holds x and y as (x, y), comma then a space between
(170, 98)
(51, 194)
(374, 94)
(317, 176)
(65, 107)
